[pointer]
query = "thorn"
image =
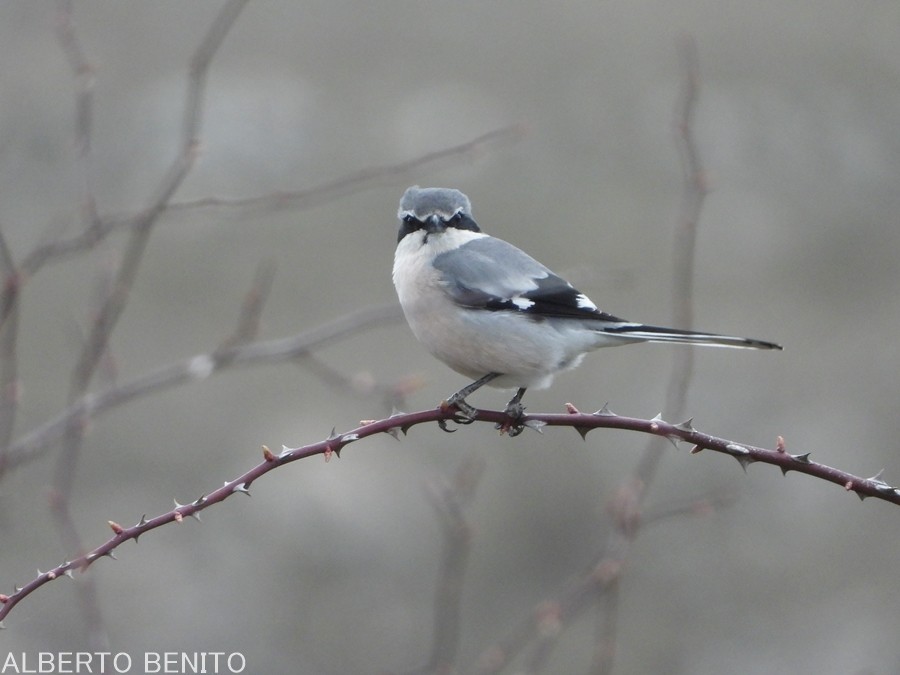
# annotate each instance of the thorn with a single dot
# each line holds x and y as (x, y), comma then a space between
(333, 435)
(673, 439)
(696, 449)
(267, 454)
(40, 574)
(744, 461)
(195, 515)
(111, 554)
(349, 438)
(687, 425)
(177, 505)
(741, 454)
(605, 411)
(285, 452)
(407, 427)
(571, 409)
(16, 589)
(803, 459)
(2, 627)
(199, 501)
(141, 523)
(394, 431)
(537, 425)
(877, 477)
(69, 573)
(861, 496)
(118, 529)
(658, 418)
(779, 444)
(583, 431)
(242, 487)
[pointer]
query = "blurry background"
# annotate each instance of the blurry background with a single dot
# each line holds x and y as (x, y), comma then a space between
(330, 568)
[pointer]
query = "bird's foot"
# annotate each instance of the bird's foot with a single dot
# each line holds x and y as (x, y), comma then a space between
(465, 414)
(516, 413)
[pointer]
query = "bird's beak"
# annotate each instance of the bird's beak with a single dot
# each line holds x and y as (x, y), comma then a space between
(434, 225)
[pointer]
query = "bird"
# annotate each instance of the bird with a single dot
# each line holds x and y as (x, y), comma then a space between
(496, 315)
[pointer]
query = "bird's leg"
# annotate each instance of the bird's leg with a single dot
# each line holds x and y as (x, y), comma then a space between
(467, 413)
(515, 410)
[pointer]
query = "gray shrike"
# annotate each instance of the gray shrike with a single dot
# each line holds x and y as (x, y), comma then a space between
(495, 314)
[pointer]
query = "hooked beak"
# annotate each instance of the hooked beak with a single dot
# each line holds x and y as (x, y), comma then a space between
(434, 225)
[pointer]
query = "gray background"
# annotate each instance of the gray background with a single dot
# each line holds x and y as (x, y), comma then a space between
(330, 567)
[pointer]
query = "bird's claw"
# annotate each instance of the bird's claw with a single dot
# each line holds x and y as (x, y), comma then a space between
(515, 426)
(465, 414)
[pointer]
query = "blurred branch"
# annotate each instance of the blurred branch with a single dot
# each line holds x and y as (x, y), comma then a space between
(9, 335)
(294, 199)
(449, 500)
(393, 395)
(632, 492)
(683, 251)
(626, 507)
(359, 180)
(193, 369)
(112, 307)
(399, 423)
(251, 309)
(83, 71)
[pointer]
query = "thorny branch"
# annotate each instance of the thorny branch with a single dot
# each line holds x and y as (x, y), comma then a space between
(396, 424)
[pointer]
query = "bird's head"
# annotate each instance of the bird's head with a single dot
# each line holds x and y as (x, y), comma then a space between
(433, 211)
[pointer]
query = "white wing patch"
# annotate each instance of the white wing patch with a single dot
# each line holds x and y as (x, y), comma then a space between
(584, 302)
(522, 303)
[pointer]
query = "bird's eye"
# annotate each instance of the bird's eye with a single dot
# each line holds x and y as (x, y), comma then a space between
(456, 217)
(409, 218)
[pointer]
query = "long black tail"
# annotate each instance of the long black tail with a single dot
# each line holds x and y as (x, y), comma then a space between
(639, 331)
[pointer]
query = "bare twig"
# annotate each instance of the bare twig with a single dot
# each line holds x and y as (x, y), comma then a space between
(83, 71)
(334, 444)
(294, 199)
(251, 309)
(194, 369)
(116, 300)
(9, 334)
(683, 253)
(449, 501)
(392, 394)
(359, 180)
(633, 491)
